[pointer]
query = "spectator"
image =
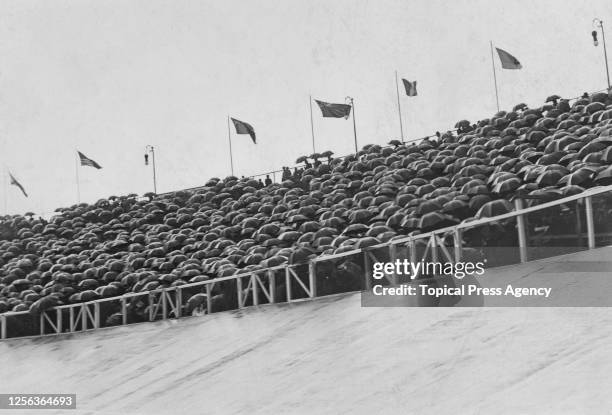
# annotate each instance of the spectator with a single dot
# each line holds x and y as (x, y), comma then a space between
(286, 173)
(564, 105)
(297, 174)
(261, 184)
(268, 180)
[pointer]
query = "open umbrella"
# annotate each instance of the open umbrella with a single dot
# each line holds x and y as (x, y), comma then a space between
(410, 223)
(604, 177)
(494, 208)
(578, 177)
(571, 190)
(553, 99)
(476, 202)
(427, 207)
(361, 215)
(436, 220)
(462, 124)
(289, 236)
(549, 178)
(455, 207)
(356, 229)
(545, 195)
(366, 241)
(507, 186)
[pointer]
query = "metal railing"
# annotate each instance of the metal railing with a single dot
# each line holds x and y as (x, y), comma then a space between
(293, 282)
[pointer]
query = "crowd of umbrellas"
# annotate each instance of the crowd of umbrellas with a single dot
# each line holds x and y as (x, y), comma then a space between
(131, 244)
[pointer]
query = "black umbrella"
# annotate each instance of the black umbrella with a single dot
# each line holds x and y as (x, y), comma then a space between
(476, 202)
(604, 177)
(356, 229)
(549, 178)
(436, 220)
(494, 208)
(579, 177)
(507, 186)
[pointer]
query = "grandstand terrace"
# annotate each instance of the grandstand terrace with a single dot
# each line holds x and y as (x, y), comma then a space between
(305, 236)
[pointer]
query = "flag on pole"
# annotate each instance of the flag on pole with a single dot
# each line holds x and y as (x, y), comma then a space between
(244, 128)
(411, 90)
(86, 161)
(334, 110)
(507, 60)
(14, 182)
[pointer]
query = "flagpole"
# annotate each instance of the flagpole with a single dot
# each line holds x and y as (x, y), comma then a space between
(312, 125)
(229, 138)
(354, 126)
(494, 75)
(78, 187)
(399, 108)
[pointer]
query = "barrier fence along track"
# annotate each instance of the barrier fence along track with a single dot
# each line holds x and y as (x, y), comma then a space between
(261, 284)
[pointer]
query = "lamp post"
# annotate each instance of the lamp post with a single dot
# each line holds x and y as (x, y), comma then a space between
(597, 23)
(151, 150)
(350, 101)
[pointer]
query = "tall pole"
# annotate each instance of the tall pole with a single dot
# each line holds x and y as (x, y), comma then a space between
(154, 170)
(399, 108)
(78, 186)
(494, 76)
(312, 125)
(150, 149)
(229, 138)
(352, 101)
(603, 37)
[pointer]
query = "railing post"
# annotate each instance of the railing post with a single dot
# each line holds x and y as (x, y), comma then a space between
(123, 311)
(239, 291)
(434, 248)
(42, 323)
(72, 322)
(208, 299)
(84, 316)
(367, 267)
(458, 244)
(2, 326)
(272, 286)
(254, 278)
(96, 315)
(288, 283)
(590, 222)
(164, 304)
(179, 302)
(393, 257)
(522, 234)
(312, 278)
(151, 307)
(412, 247)
(58, 320)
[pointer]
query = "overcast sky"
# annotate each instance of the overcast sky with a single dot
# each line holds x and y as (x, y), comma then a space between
(110, 77)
